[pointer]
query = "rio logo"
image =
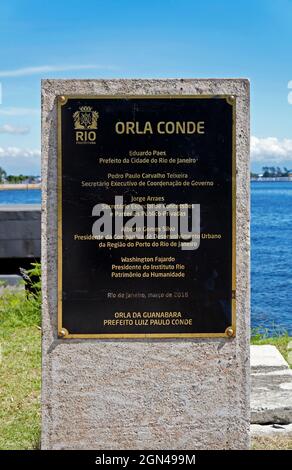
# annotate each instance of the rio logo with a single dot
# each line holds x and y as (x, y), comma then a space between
(85, 125)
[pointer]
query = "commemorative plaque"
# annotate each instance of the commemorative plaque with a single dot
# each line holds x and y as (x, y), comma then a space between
(146, 216)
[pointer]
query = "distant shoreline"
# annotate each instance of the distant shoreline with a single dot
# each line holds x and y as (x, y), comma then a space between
(273, 179)
(19, 186)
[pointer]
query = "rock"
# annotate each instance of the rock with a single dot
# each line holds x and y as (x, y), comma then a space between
(271, 397)
(271, 429)
(266, 358)
(10, 280)
(271, 387)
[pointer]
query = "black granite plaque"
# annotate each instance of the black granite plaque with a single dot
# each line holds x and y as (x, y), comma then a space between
(128, 281)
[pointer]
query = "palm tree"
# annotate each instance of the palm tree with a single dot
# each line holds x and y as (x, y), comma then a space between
(2, 175)
(285, 171)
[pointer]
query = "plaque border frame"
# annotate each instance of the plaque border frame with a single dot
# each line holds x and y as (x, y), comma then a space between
(63, 333)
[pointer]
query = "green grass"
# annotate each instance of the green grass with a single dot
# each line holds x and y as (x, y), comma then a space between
(20, 367)
(20, 382)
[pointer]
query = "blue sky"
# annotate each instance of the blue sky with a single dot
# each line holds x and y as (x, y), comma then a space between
(131, 39)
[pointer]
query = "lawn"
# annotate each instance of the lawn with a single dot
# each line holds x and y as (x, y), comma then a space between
(272, 443)
(20, 365)
(20, 382)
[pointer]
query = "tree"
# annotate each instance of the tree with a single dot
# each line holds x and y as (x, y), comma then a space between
(285, 171)
(2, 175)
(266, 172)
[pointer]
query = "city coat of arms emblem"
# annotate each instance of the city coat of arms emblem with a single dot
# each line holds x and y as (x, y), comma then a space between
(85, 118)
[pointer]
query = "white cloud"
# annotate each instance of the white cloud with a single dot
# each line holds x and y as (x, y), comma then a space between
(42, 69)
(267, 150)
(16, 160)
(8, 129)
(19, 152)
(271, 150)
(12, 111)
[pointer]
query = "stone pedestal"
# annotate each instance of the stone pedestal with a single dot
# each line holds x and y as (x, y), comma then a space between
(144, 394)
